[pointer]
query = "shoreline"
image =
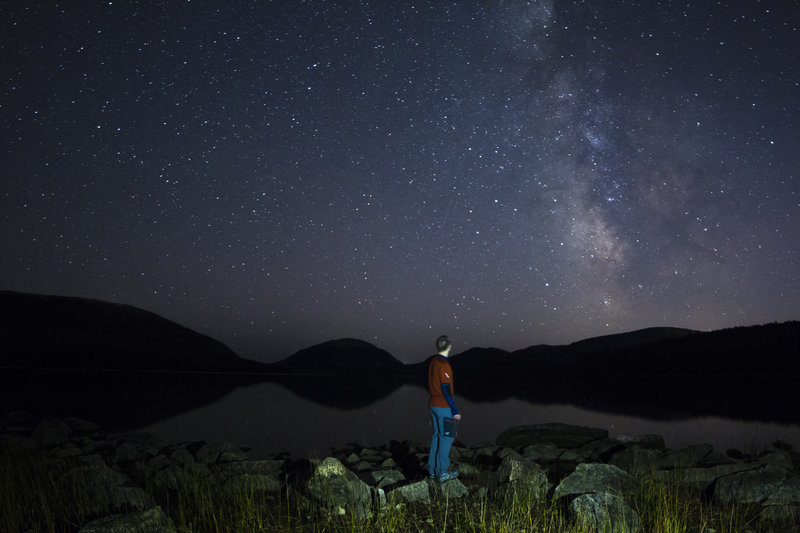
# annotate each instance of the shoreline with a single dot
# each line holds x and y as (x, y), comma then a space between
(540, 460)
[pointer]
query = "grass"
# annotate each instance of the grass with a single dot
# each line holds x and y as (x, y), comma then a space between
(34, 497)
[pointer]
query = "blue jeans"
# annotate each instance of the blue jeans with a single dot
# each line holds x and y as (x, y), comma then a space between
(439, 458)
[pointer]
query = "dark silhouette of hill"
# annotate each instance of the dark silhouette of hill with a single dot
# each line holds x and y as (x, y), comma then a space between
(541, 358)
(769, 350)
(38, 331)
(351, 357)
(764, 350)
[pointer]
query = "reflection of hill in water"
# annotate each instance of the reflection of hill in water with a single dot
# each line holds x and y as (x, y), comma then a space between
(120, 401)
(340, 392)
(753, 399)
(115, 400)
(663, 398)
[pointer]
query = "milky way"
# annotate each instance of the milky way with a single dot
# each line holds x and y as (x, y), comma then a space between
(280, 174)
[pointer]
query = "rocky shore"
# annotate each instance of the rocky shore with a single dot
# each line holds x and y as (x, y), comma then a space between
(580, 468)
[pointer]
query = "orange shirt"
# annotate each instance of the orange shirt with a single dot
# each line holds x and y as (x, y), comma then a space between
(439, 371)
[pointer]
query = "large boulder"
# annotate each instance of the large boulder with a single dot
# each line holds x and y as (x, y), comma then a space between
(339, 490)
(604, 513)
(51, 432)
(454, 489)
(262, 476)
(637, 459)
(560, 435)
(521, 473)
(703, 479)
(107, 491)
(686, 457)
(413, 492)
(756, 486)
(594, 478)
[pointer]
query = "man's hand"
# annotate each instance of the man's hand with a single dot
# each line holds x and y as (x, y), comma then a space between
(457, 417)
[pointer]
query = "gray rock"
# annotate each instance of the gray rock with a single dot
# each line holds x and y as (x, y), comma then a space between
(702, 479)
(502, 453)
(127, 452)
(784, 516)
(151, 520)
(353, 458)
(599, 451)
(605, 513)
(594, 478)
(51, 432)
(107, 491)
(454, 489)
(384, 478)
(339, 490)
(267, 467)
(687, 457)
(367, 453)
(756, 486)
(414, 492)
(181, 456)
(561, 435)
(69, 451)
(523, 473)
(457, 452)
(779, 460)
(219, 453)
(544, 453)
(467, 470)
(17, 443)
(261, 476)
(487, 455)
(172, 477)
(637, 460)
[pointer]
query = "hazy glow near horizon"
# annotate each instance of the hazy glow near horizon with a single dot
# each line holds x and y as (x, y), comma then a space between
(276, 175)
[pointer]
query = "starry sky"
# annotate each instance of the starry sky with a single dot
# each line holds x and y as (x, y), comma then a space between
(279, 174)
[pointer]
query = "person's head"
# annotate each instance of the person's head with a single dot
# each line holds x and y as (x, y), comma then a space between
(443, 344)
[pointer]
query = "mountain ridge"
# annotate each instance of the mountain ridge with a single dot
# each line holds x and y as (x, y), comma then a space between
(43, 331)
(47, 331)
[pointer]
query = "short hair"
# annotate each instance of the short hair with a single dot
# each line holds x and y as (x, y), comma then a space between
(442, 343)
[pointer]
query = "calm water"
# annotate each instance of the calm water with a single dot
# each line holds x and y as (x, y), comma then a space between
(269, 418)
(308, 415)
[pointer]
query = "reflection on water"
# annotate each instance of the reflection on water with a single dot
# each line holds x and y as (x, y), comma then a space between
(307, 415)
(270, 418)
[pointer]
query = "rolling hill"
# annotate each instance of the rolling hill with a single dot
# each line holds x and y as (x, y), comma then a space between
(38, 331)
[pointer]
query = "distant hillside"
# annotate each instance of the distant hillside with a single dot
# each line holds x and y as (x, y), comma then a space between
(585, 353)
(541, 358)
(60, 332)
(767, 350)
(343, 356)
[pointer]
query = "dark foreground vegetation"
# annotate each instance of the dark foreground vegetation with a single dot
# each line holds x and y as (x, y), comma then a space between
(40, 493)
(37, 495)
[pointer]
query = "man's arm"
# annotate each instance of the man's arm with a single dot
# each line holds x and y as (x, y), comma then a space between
(449, 397)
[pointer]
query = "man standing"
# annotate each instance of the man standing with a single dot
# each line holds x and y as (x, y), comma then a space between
(443, 412)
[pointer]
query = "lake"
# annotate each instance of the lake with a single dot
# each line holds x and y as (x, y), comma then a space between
(270, 418)
(308, 415)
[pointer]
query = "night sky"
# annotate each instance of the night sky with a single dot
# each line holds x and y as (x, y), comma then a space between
(280, 174)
